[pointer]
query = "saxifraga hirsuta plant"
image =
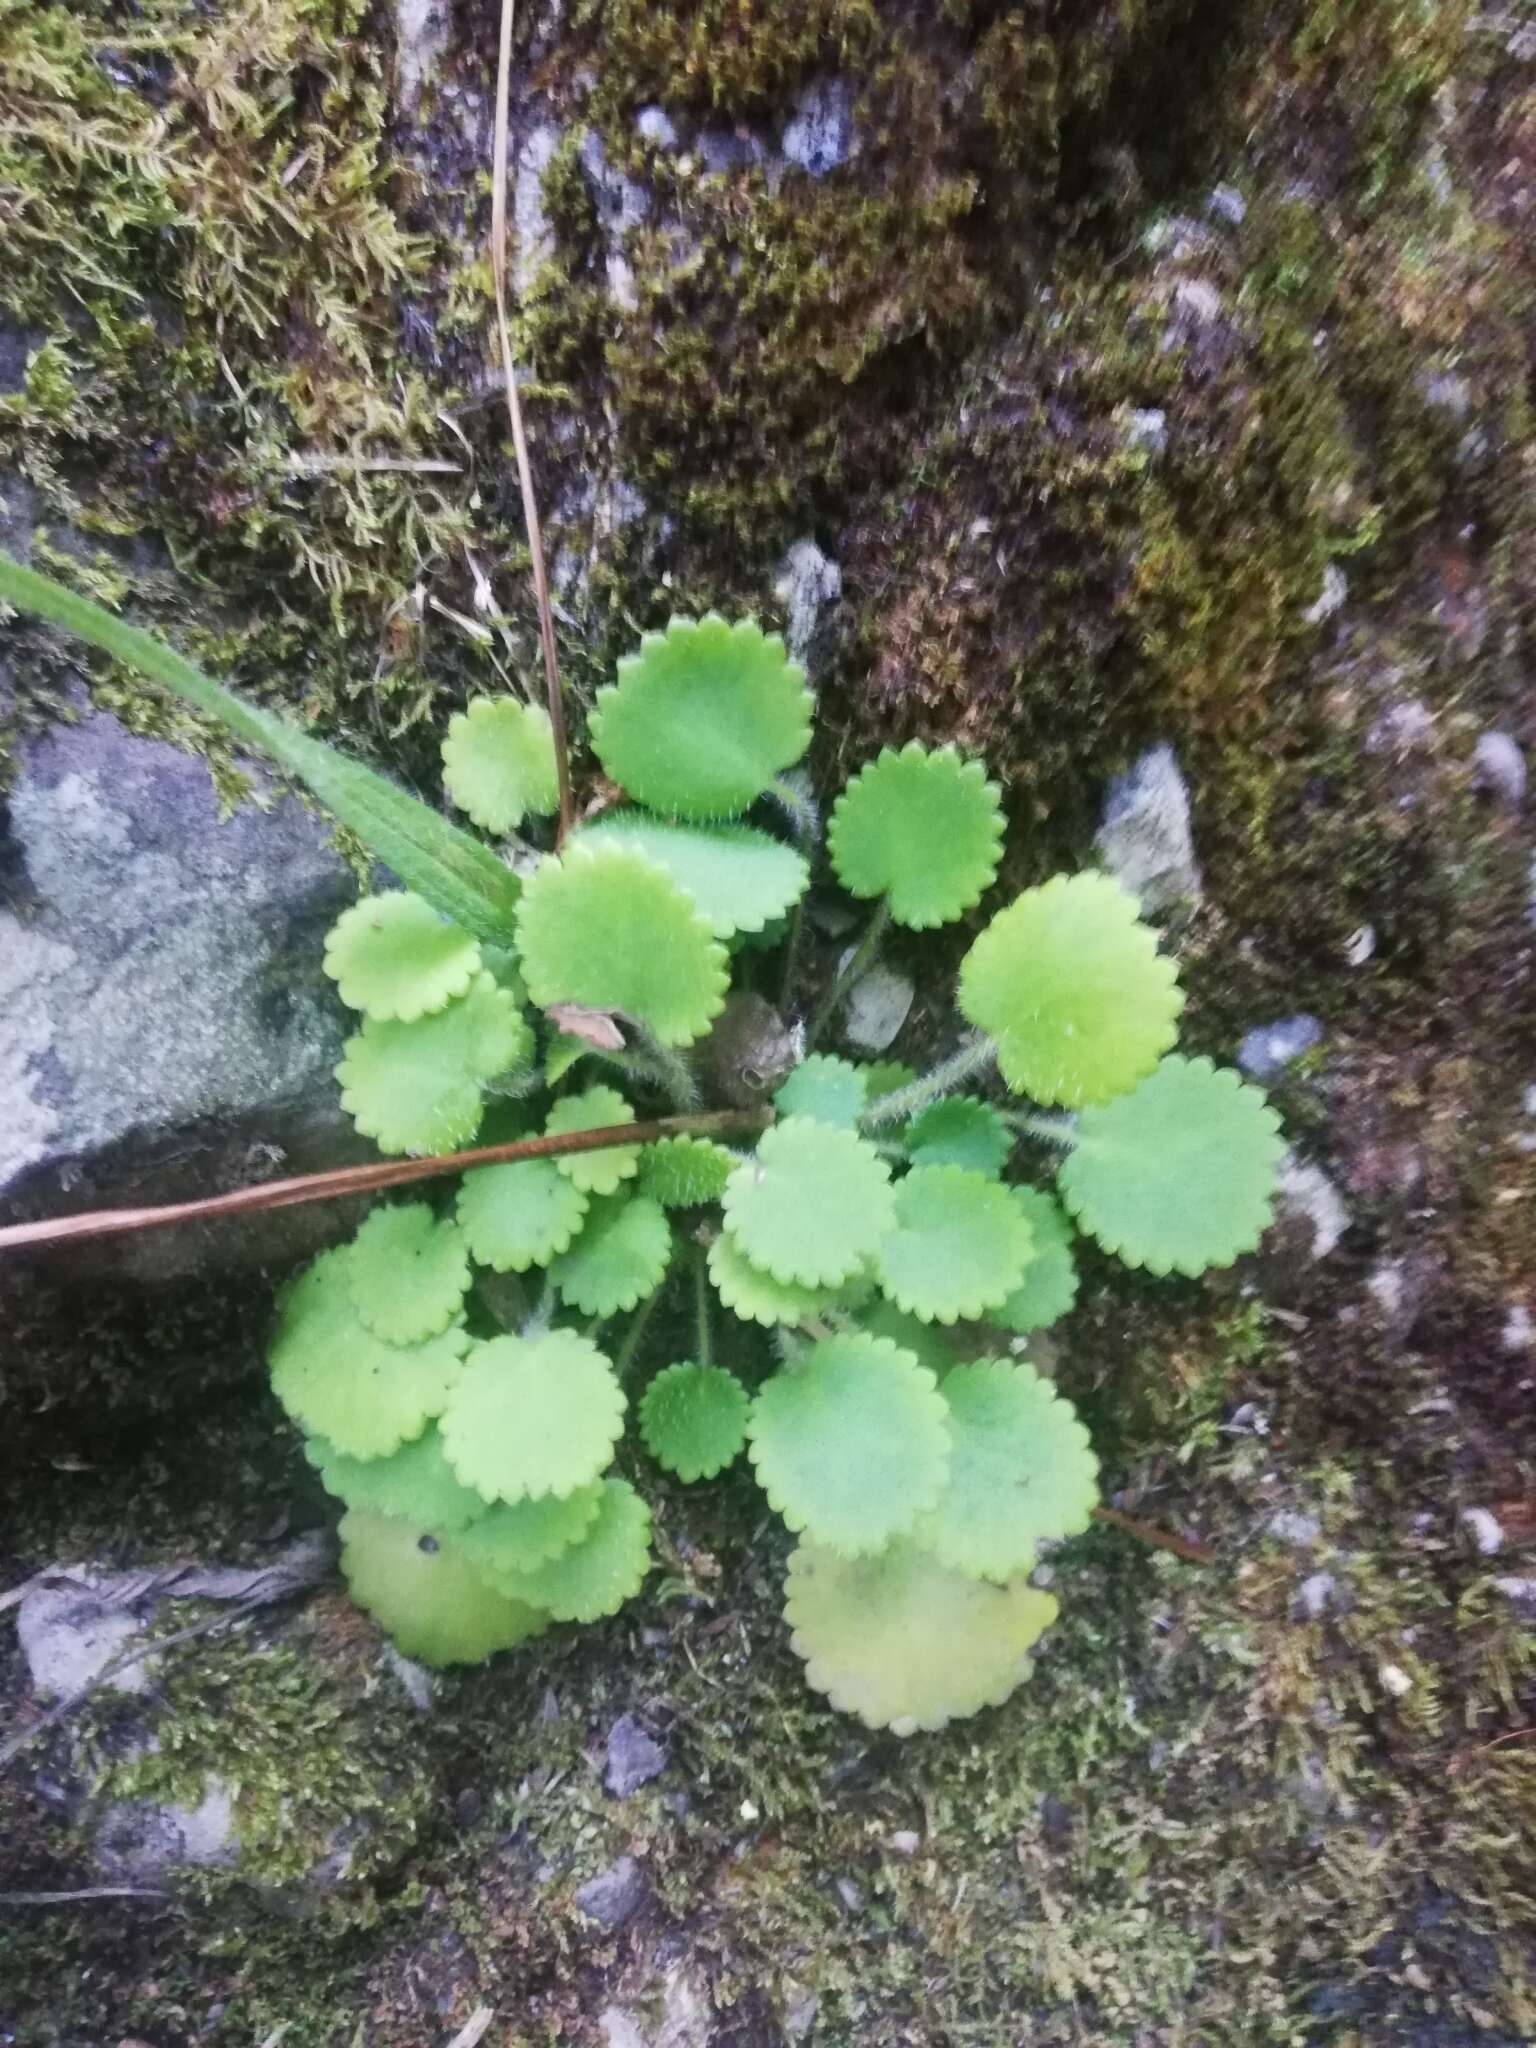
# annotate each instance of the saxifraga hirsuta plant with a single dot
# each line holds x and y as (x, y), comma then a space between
(862, 1284)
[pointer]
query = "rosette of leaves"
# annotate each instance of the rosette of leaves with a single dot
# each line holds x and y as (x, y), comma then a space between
(883, 1229)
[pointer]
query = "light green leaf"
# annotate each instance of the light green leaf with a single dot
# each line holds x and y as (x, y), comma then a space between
(757, 1297)
(1070, 984)
(851, 1443)
(1049, 1286)
(931, 1344)
(604, 926)
(827, 1089)
(693, 1419)
(903, 1641)
(423, 1593)
(520, 1214)
(703, 718)
(520, 1535)
(620, 1257)
(533, 1415)
(812, 1205)
(1179, 1175)
(960, 1245)
(959, 1130)
(499, 762)
(596, 1575)
(393, 956)
(339, 1381)
(409, 1273)
(1021, 1472)
(923, 829)
(416, 1483)
(419, 1087)
(740, 879)
(595, 1173)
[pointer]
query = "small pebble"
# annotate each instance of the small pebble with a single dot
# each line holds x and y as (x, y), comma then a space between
(1498, 766)
(1396, 1680)
(1519, 1331)
(1484, 1530)
(1360, 945)
(1294, 1528)
(1316, 1594)
(1268, 1048)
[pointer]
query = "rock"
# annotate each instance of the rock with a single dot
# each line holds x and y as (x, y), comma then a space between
(1483, 1527)
(535, 240)
(807, 585)
(634, 1758)
(622, 203)
(730, 149)
(615, 1895)
(145, 1841)
(877, 1007)
(1403, 728)
(1330, 598)
(1145, 836)
(71, 1629)
(1360, 945)
(656, 126)
(1308, 1201)
(1498, 766)
(1227, 204)
(1269, 1048)
(1447, 391)
(1517, 1332)
(421, 37)
(165, 1026)
(1519, 1589)
(1317, 1592)
(820, 134)
(1300, 1531)
(1146, 428)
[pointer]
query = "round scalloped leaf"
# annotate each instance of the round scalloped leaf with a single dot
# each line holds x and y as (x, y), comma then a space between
(680, 1173)
(620, 1257)
(959, 1247)
(1049, 1286)
(533, 1415)
(596, 1575)
(425, 1596)
(1070, 984)
(1179, 1175)
(1021, 1471)
(499, 762)
(703, 718)
(417, 1483)
(521, 1214)
(929, 1343)
(341, 1382)
(595, 1173)
(904, 1642)
(811, 1205)
(959, 1130)
(693, 1419)
(393, 956)
(606, 927)
(518, 1536)
(418, 1087)
(851, 1443)
(740, 878)
(825, 1088)
(757, 1297)
(409, 1273)
(924, 830)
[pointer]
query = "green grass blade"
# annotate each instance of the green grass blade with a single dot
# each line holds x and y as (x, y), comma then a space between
(453, 871)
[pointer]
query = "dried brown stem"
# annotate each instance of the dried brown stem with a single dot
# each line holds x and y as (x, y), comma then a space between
(388, 1173)
(515, 417)
(1160, 1539)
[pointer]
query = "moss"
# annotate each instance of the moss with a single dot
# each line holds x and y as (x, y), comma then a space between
(738, 56)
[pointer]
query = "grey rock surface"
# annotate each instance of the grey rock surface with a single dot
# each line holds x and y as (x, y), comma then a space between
(1145, 838)
(820, 134)
(165, 1027)
(808, 585)
(634, 1757)
(145, 1841)
(615, 1895)
(1268, 1049)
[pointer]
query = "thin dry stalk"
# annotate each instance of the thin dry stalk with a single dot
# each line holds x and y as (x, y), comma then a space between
(515, 417)
(388, 1173)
